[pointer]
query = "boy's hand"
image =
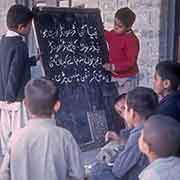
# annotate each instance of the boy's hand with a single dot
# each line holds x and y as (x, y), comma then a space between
(39, 55)
(109, 67)
(110, 135)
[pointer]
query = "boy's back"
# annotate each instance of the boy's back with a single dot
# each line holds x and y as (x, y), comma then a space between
(14, 68)
(162, 169)
(44, 151)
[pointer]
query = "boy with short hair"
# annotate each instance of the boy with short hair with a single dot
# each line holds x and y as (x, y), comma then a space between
(42, 150)
(166, 82)
(117, 138)
(123, 48)
(14, 71)
(140, 104)
(160, 141)
(118, 107)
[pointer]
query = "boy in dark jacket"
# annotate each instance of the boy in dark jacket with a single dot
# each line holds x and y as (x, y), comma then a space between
(14, 71)
(166, 82)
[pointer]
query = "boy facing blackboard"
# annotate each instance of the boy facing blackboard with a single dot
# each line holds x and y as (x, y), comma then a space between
(123, 51)
(14, 71)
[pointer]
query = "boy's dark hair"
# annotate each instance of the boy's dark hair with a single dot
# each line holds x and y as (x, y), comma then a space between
(126, 16)
(168, 70)
(18, 14)
(142, 100)
(119, 98)
(42, 94)
(162, 134)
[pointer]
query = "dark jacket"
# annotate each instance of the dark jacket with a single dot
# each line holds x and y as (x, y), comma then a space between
(170, 105)
(14, 68)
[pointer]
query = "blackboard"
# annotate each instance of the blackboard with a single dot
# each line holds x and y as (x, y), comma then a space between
(74, 49)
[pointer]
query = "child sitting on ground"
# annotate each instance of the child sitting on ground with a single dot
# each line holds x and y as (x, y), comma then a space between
(119, 122)
(140, 104)
(160, 141)
(166, 83)
(109, 152)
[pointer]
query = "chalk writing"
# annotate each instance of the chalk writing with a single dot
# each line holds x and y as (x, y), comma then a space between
(74, 50)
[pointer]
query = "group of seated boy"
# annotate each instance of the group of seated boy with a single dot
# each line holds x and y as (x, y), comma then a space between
(150, 142)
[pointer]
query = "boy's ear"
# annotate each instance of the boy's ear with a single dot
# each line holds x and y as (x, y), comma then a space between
(129, 28)
(143, 146)
(133, 113)
(147, 148)
(26, 102)
(57, 106)
(20, 27)
(166, 83)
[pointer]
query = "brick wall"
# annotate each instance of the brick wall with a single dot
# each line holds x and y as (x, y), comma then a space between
(151, 27)
(4, 5)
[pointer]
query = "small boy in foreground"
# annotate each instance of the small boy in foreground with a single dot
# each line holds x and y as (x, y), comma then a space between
(160, 141)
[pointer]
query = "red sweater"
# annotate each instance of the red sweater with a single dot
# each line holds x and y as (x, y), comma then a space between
(123, 53)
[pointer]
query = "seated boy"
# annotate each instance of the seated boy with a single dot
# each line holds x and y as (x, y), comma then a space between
(160, 141)
(166, 82)
(41, 150)
(140, 104)
(109, 152)
(119, 107)
(119, 122)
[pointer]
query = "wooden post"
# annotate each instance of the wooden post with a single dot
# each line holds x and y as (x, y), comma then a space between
(178, 58)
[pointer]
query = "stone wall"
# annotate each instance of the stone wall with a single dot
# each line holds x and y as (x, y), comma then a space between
(4, 5)
(151, 27)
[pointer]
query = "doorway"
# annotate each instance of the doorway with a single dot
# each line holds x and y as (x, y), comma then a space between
(177, 33)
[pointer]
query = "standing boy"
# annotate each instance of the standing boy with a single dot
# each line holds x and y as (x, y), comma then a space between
(123, 51)
(140, 104)
(41, 150)
(160, 141)
(14, 71)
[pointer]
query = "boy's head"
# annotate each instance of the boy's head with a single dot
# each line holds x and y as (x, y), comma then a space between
(41, 97)
(141, 103)
(166, 78)
(119, 105)
(123, 20)
(160, 137)
(19, 19)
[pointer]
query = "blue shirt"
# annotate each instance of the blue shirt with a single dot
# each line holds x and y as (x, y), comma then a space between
(162, 169)
(130, 162)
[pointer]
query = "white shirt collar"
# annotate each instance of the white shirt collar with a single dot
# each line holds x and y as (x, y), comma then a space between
(12, 34)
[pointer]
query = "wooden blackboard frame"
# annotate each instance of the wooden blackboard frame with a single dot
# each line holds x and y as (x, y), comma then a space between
(100, 28)
(96, 114)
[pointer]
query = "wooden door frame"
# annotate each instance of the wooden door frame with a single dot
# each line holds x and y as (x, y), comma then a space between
(177, 32)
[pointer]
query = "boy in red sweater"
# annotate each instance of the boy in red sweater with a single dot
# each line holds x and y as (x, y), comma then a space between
(123, 51)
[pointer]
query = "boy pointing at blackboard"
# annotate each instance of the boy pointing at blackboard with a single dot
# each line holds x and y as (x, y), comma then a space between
(14, 71)
(123, 51)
